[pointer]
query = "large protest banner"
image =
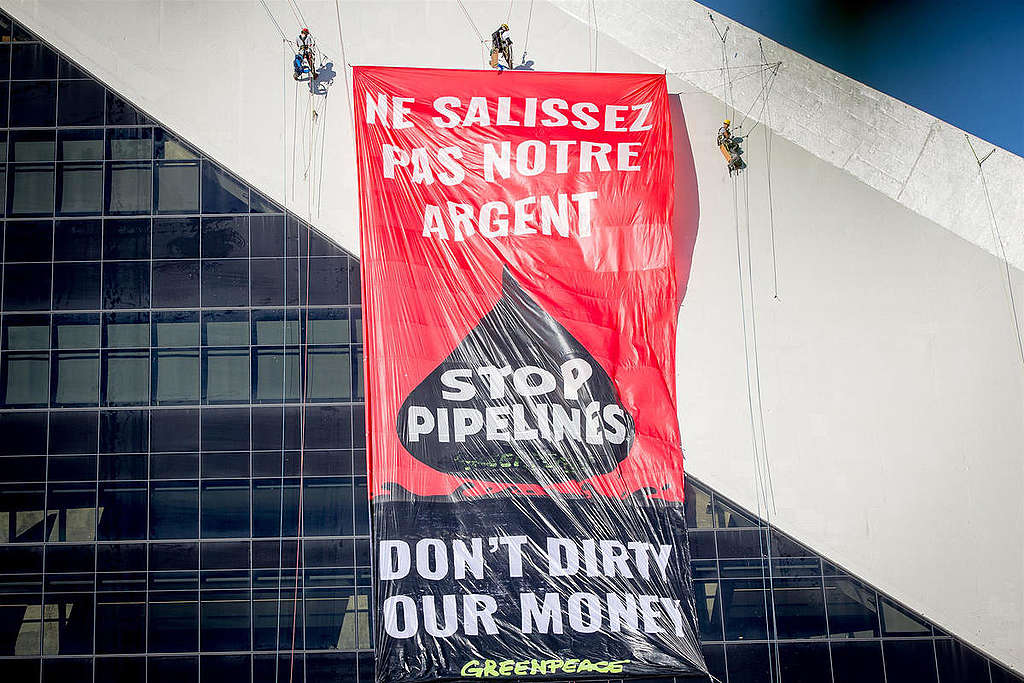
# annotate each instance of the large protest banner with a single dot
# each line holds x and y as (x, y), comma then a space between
(519, 302)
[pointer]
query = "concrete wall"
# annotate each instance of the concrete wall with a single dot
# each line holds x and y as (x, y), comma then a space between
(891, 387)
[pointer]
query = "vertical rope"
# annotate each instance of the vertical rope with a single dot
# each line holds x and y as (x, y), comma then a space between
(998, 238)
(768, 173)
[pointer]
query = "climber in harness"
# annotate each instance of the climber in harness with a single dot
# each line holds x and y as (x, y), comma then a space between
(304, 57)
(501, 48)
(730, 146)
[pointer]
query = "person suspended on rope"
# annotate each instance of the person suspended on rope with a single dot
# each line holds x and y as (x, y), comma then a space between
(305, 56)
(501, 48)
(730, 146)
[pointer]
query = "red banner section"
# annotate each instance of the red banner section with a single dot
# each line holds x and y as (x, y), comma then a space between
(519, 300)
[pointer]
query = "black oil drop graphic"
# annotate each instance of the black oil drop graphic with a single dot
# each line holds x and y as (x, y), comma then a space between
(518, 400)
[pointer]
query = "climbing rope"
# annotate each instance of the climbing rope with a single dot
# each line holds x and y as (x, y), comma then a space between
(998, 239)
(768, 173)
(529, 22)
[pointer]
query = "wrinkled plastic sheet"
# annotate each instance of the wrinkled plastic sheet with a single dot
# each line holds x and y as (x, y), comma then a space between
(520, 288)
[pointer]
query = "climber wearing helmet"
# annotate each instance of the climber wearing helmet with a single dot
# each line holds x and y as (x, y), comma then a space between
(304, 57)
(501, 47)
(730, 147)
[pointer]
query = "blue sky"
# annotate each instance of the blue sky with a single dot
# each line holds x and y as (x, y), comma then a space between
(961, 62)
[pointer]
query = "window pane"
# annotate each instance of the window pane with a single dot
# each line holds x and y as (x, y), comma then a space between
(176, 329)
(81, 189)
(225, 511)
(857, 662)
(73, 431)
(176, 238)
(33, 104)
(223, 193)
(749, 662)
(28, 240)
(126, 238)
(26, 332)
(328, 281)
(33, 60)
(227, 375)
(31, 190)
(126, 379)
(76, 378)
(32, 145)
(743, 603)
(81, 103)
(328, 327)
(166, 146)
(176, 376)
(225, 621)
(330, 374)
(799, 608)
(77, 240)
(27, 287)
(175, 430)
(177, 187)
(709, 609)
(225, 237)
(130, 143)
(852, 609)
(225, 283)
(277, 374)
(173, 622)
(120, 113)
(126, 285)
(174, 509)
(327, 507)
(76, 331)
(124, 431)
(67, 624)
(26, 379)
(120, 627)
(71, 512)
(226, 328)
(76, 286)
(804, 662)
(271, 329)
(127, 329)
(175, 284)
(80, 145)
(130, 188)
(268, 496)
(909, 661)
(123, 507)
(897, 622)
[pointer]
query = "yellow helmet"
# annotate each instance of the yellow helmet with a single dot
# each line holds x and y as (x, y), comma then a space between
(504, 26)
(727, 122)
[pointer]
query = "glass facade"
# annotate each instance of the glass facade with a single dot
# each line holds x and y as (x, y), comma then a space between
(170, 391)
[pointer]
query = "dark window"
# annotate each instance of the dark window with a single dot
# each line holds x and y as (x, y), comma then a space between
(121, 669)
(234, 668)
(959, 664)
(28, 241)
(73, 431)
(328, 281)
(33, 104)
(898, 622)
(225, 283)
(124, 511)
(67, 69)
(81, 103)
(799, 608)
(120, 626)
(124, 431)
(126, 285)
(31, 191)
(327, 507)
(225, 429)
(66, 669)
(75, 378)
(267, 235)
(225, 511)
(126, 238)
(120, 113)
(268, 496)
(176, 238)
(175, 284)
(167, 146)
(77, 240)
(34, 60)
(80, 190)
(76, 286)
(24, 433)
(223, 193)
(743, 605)
(225, 237)
(859, 662)
(174, 509)
(709, 609)
(908, 661)
(702, 544)
(175, 430)
(749, 662)
(852, 609)
(173, 626)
